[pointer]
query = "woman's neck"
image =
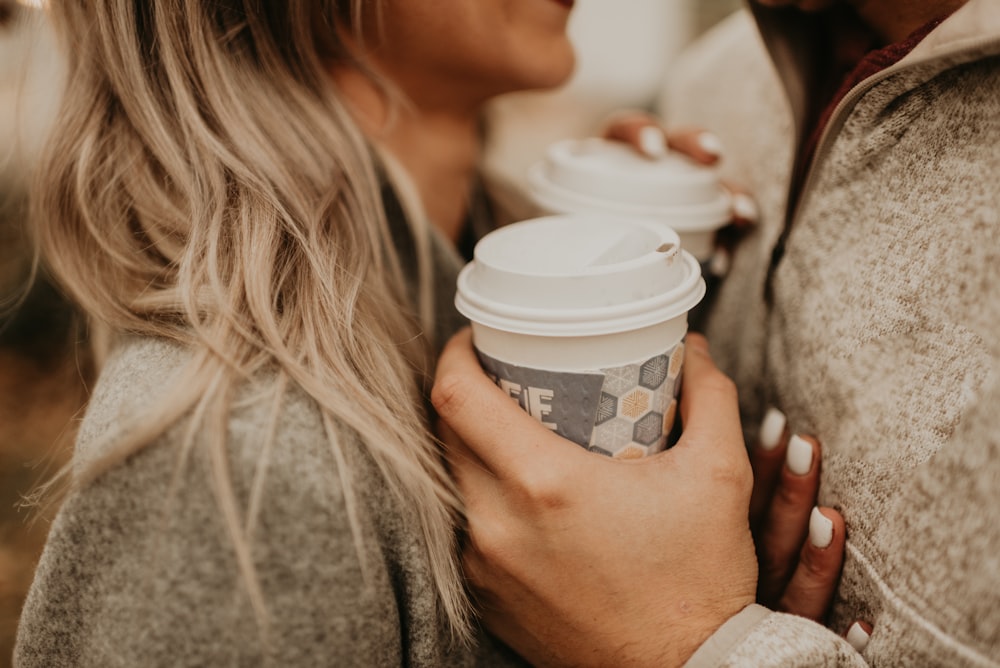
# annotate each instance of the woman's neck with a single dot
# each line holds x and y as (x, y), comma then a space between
(439, 147)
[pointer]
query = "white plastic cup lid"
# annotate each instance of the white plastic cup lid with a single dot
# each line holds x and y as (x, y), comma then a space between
(578, 275)
(594, 174)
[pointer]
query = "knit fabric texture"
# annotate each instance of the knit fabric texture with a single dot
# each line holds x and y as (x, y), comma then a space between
(880, 335)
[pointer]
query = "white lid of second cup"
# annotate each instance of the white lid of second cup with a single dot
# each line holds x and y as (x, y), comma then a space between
(585, 175)
(578, 275)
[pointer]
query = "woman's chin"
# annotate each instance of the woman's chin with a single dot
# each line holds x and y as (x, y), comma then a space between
(550, 72)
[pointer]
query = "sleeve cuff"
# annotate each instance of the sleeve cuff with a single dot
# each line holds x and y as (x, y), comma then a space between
(714, 651)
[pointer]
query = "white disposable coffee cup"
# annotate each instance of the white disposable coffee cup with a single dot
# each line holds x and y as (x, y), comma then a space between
(582, 319)
(609, 177)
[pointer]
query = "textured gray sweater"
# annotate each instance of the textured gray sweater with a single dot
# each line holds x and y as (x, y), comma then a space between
(882, 335)
(129, 578)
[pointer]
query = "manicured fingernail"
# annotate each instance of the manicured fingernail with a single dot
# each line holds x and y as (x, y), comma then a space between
(652, 142)
(745, 207)
(718, 265)
(858, 637)
(800, 455)
(820, 529)
(709, 143)
(771, 429)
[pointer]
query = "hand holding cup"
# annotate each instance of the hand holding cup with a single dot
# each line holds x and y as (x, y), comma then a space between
(588, 561)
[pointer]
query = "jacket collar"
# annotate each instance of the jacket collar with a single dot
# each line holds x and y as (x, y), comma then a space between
(971, 33)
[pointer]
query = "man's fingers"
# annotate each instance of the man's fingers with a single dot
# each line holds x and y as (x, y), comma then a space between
(814, 581)
(786, 522)
(491, 425)
(767, 458)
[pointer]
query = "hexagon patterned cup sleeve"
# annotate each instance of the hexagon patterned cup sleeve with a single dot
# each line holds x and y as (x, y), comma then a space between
(624, 412)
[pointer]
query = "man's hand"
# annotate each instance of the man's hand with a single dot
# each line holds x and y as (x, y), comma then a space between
(578, 559)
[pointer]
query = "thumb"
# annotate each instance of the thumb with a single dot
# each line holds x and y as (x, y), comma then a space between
(709, 405)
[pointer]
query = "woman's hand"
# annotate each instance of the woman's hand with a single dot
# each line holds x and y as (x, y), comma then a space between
(645, 134)
(800, 547)
(578, 559)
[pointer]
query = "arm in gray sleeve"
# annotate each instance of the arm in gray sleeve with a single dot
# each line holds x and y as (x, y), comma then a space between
(758, 637)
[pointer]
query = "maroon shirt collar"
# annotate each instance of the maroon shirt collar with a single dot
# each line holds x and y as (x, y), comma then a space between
(855, 55)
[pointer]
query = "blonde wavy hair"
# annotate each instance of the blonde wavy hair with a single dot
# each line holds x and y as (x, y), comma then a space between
(206, 183)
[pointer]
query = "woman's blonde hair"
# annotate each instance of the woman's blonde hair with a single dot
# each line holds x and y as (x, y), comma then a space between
(207, 184)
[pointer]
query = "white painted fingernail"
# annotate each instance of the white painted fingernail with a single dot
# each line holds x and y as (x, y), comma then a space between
(820, 529)
(800, 455)
(858, 637)
(745, 207)
(771, 429)
(718, 265)
(652, 141)
(709, 143)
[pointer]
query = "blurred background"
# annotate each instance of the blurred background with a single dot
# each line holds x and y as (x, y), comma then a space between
(624, 50)
(42, 377)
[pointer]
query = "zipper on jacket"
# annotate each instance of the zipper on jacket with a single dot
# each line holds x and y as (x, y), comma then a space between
(837, 120)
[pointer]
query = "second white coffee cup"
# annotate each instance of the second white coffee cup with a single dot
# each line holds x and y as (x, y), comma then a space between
(582, 322)
(608, 177)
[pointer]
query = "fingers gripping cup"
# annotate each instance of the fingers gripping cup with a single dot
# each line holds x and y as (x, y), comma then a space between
(608, 177)
(582, 322)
